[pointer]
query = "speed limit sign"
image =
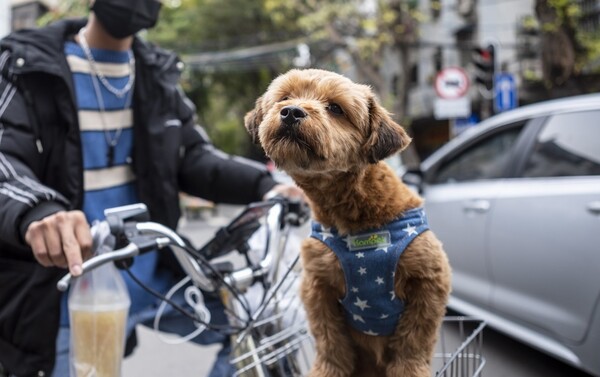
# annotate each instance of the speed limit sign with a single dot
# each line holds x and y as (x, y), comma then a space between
(451, 83)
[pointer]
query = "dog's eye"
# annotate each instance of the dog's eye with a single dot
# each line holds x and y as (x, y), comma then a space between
(335, 108)
(284, 98)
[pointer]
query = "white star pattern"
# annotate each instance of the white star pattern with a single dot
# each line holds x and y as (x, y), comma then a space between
(348, 241)
(410, 230)
(326, 233)
(362, 304)
(358, 318)
(374, 272)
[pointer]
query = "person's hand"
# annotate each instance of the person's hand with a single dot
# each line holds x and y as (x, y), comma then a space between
(287, 191)
(62, 240)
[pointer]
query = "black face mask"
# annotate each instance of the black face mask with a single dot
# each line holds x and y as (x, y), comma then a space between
(124, 18)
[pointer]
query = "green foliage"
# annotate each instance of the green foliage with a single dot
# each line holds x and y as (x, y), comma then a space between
(568, 15)
(591, 41)
(211, 25)
(567, 11)
(364, 30)
(65, 9)
(222, 97)
(530, 23)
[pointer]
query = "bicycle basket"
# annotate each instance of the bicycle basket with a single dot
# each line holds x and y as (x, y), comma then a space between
(459, 349)
(277, 342)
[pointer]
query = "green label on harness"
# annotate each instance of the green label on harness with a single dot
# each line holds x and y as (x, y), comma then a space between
(369, 241)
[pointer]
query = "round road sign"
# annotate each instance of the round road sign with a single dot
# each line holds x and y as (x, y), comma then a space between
(451, 83)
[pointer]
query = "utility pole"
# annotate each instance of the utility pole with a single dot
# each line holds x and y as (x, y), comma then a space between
(5, 11)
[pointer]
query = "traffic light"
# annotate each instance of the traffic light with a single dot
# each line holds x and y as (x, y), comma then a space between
(484, 62)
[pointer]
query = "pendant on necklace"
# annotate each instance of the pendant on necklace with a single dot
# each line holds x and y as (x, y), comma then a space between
(110, 155)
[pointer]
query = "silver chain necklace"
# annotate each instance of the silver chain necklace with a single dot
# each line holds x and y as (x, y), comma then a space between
(116, 91)
(110, 142)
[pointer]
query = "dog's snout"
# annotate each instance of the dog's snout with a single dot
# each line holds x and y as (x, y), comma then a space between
(292, 114)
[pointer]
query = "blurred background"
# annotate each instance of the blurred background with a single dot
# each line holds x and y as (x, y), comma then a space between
(509, 53)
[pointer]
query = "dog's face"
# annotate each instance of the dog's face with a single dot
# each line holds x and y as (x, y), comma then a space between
(315, 120)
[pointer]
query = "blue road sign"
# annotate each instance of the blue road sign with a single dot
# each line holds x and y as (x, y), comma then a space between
(505, 92)
(461, 124)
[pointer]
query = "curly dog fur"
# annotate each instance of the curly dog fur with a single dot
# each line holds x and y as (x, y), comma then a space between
(332, 147)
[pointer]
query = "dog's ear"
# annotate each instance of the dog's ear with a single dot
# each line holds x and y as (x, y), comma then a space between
(386, 136)
(253, 119)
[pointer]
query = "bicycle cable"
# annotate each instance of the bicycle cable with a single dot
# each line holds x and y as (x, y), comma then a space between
(236, 293)
(219, 328)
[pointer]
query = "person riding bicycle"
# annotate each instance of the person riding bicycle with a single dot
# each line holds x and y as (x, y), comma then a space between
(91, 117)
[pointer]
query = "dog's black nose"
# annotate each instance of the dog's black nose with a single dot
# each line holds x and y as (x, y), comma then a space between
(292, 114)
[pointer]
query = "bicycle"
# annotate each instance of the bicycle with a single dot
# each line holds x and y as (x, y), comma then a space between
(267, 323)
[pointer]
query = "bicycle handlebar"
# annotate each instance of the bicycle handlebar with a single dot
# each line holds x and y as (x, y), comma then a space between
(140, 237)
(131, 250)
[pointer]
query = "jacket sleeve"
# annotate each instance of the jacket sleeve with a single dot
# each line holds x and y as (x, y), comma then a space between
(23, 198)
(212, 174)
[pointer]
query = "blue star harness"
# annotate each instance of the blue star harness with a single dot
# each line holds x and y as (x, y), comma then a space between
(369, 261)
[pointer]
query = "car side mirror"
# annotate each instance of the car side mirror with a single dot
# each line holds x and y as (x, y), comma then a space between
(413, 178)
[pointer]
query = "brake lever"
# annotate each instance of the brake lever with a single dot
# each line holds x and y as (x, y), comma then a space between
(128, 251)
(131, 250)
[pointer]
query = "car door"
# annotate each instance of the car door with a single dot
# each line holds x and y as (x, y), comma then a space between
(544, 232)
(459, 195)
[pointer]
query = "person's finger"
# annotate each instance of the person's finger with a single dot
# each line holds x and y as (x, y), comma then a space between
(53, 238)
(35, 239)
(70, 245)
(83, 235)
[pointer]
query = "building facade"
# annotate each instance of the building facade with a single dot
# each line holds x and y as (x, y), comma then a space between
(25, 13)
(450, 35)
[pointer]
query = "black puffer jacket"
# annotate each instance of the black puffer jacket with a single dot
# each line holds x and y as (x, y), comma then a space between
(41, 172)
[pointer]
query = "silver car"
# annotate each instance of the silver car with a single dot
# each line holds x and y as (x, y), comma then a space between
(516, 202)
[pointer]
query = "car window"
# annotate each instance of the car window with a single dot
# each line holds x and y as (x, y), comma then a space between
(568, 145)
(484, 160)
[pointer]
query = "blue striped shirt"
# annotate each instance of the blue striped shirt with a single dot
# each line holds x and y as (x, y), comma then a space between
(109, 185)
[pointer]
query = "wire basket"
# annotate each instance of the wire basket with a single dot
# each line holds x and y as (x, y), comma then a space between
(459, 351)
(277, 342)
(290, 352)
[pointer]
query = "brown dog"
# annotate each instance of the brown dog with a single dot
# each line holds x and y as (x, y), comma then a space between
(376, 280)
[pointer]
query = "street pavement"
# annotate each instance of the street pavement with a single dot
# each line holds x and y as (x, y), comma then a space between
(153, 358)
